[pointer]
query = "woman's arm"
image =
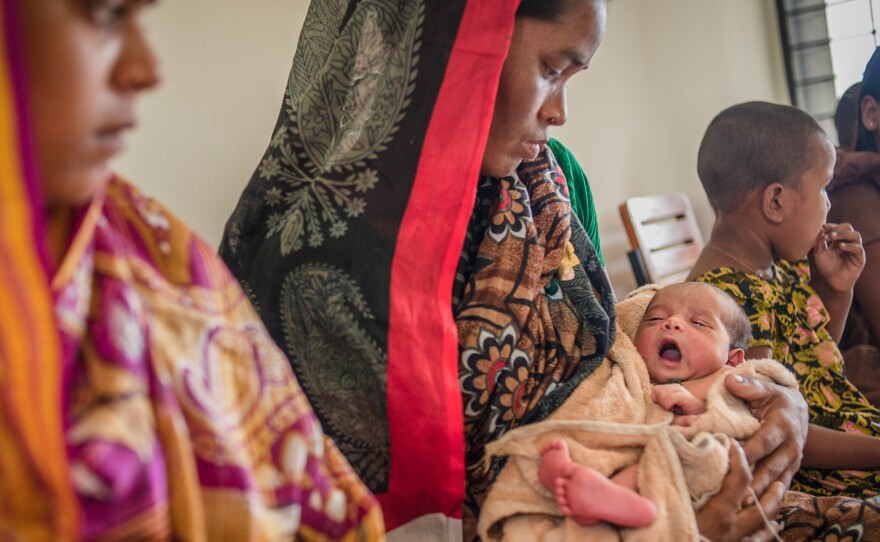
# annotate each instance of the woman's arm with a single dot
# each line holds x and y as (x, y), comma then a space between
(830, 449)
(867, 289)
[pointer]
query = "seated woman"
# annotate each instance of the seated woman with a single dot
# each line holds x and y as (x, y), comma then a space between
(141, 396)
(348, 235)
(855, 197)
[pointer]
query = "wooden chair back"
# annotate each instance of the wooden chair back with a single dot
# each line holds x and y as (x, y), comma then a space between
(664, 236)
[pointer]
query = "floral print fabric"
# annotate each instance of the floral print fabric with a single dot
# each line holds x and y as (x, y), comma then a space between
(184, 420)
(788, 316)
(829, 519)
(533, 307)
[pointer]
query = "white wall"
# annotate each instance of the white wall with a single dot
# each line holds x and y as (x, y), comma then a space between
(635, 117)
(202, 133)
(665, 69)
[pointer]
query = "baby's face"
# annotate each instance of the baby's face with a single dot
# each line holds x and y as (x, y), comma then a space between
(683, 335)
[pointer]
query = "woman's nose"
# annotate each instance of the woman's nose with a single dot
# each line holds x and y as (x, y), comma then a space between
(554, 112)
(137, 67)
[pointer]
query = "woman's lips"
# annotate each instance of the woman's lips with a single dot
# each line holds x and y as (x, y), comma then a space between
(111, 144)
(110, 140)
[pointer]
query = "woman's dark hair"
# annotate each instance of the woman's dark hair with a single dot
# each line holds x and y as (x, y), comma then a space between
(543, 10)
(870, 87)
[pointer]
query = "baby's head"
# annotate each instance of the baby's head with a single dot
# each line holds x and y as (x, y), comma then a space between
(690, 330)
(769, 164)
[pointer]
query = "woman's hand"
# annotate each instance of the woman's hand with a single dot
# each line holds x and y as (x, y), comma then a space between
(776, 449)
(839, 257)
(731, 515)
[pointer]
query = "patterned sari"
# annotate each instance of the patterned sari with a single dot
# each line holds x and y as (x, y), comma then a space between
(140, 396)
(534, 309)
(787, 315)
(348, 236)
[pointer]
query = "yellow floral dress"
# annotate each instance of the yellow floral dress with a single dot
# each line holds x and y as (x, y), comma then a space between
(788, 316)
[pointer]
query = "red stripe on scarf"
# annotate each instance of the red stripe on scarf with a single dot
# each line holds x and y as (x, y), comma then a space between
(424, 398)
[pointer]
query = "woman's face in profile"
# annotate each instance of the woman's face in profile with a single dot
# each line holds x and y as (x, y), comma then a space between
(87, 61)
(543, 55)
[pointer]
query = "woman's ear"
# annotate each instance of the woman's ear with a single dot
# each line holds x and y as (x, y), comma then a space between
(870, 113)
(773, 204)
(735, 357)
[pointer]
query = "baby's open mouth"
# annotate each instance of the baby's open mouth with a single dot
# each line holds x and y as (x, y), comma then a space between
(669, 351)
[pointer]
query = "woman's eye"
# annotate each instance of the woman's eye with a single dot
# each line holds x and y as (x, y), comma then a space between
(550, 72)
(107, 13)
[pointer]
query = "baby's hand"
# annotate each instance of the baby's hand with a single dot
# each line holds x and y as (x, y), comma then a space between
(678, 400)
(839, 256)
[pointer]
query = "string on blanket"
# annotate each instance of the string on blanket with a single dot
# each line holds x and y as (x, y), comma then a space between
(772, 526)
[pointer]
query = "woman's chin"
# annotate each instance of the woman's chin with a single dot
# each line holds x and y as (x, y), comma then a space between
(74, 191)
(499, 168)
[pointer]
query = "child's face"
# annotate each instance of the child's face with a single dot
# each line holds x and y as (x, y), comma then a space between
(683, 335)
(87, 61)
(807, 217)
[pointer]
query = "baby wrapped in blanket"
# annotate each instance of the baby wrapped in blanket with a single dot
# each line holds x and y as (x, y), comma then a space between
(555, 486)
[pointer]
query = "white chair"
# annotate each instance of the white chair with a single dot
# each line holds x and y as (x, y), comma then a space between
(664, 236)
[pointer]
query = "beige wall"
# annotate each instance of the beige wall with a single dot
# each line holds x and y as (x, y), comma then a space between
(201, 134)
(635, 118)
(665, 69)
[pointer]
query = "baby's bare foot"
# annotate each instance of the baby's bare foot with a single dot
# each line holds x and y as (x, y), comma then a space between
(555, 444)
(588, 497)
(555, 463)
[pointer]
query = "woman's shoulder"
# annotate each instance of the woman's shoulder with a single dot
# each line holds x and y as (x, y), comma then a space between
(153, 234)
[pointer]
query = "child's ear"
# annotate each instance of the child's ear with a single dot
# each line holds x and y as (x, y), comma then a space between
(773, 202)
(735, 357)
(870, 113)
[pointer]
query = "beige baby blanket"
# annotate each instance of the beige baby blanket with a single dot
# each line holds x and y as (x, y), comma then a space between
(610, 422)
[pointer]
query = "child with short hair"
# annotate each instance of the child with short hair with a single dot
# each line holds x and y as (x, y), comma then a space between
(690, 336)
(764, 168)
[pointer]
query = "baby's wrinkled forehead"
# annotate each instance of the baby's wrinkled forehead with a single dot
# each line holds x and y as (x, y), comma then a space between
(696, 296)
